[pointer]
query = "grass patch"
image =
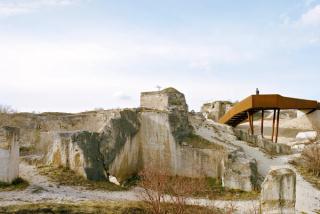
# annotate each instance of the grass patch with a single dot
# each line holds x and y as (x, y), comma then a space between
(198, 142)
(103, 207)
(216, 191)
(17, 185)
(67, 177)
(308, 176)
(306, 173)
(85, 207)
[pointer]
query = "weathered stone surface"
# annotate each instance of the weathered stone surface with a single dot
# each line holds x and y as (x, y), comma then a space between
(161, 150)
(241, 172)
(263, 143)
(93, 154)
(309, 135)
(174, 103)
(278, 192)
(122, 142)
(9, 154)
(215, 110)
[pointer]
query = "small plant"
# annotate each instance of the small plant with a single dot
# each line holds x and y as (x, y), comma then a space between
(311, 159)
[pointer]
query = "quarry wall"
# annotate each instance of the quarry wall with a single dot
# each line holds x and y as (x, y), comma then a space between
(160, 149)
(123, 141)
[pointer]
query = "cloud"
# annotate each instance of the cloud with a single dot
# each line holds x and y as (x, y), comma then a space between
(311, 17)
(18, 7)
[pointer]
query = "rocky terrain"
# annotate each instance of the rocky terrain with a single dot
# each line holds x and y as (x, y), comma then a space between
(160, 134)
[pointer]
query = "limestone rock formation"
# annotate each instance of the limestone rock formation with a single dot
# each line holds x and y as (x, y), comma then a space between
(239, 170)
(9, 154)
(123, 141)
(166, 137)
(278, 192)
(215, 110)
(93, 154)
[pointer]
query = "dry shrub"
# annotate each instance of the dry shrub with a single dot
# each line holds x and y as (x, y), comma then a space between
(311, 159)
(180, 188)
(154, 185)
(158, 187)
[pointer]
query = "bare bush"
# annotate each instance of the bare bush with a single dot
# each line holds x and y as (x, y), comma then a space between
(158, 187)
(311, 158)
(180, 188)
(154, 183)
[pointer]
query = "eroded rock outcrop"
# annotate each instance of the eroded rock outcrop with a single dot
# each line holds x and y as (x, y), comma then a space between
(215, 110)
(278, 192)
(93, 154)
(239, 169)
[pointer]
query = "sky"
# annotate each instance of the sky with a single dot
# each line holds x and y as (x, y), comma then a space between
(77, 55)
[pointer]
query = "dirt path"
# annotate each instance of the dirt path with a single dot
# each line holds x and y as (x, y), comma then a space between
(42, 190)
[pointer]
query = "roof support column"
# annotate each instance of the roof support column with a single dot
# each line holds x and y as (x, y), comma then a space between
(273, 123)
(250, 119)
(262, 118)
(278, 120)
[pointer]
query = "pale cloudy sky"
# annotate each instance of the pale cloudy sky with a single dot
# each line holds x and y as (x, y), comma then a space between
(76, 55)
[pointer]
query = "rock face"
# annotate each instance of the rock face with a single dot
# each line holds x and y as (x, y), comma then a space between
(93, 154)
(241, 172)
(263, 143)
(278, 192)
(165, 134)
(215, 110)
(122, 142)
(9, 154)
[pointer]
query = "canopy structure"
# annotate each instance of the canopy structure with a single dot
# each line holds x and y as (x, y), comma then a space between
(248, 107)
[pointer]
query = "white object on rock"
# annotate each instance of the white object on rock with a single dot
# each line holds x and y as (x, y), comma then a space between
(310, 135)
(114, 180)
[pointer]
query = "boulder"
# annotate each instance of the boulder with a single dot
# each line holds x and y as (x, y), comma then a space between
(278, 192)
(9, 154)
(241, 172)
(309, 135)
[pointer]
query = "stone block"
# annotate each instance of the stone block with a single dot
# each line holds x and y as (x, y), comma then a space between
(278, 192)
(9, 154)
